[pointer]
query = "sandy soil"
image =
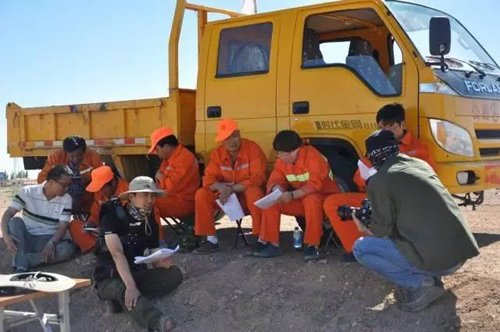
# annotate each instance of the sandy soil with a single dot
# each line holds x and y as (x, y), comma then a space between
(231, 291)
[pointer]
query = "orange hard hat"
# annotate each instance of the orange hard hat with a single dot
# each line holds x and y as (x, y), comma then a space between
(225, 128)
(100, 176)
(158, 135)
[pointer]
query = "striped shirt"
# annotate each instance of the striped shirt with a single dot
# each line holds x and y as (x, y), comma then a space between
(41, 216)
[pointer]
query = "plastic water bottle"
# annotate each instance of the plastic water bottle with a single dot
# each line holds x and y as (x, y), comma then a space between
(297, 239)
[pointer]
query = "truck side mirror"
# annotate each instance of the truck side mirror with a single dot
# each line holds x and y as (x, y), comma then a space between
(440, 38)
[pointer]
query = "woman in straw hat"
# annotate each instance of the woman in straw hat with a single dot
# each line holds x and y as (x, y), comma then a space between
(128, 230)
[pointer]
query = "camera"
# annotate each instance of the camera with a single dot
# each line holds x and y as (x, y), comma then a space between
(363, 213)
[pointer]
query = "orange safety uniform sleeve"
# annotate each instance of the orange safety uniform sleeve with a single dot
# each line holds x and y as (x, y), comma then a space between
(257, 166)
(53, 159)
(184, 166)
(278, 176)
(360, 182)
(319, 171)
(213, 172)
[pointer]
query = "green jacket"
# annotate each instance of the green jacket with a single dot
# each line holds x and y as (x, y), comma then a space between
(413, 208)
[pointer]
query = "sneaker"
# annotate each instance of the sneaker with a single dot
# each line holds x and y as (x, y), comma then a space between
(311, 254)
(268, 251)
(348, 257)
(421, 298)
(207, 247)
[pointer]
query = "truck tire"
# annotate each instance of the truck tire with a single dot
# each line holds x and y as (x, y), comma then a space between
(34, 163)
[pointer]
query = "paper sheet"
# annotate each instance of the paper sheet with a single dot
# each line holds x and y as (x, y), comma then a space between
(365, 171)
(232, 208)
(268, 200)
(160, 254)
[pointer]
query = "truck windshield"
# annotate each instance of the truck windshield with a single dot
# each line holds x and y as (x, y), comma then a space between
(465, 50)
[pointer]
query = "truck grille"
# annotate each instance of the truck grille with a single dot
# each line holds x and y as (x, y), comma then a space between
(489, 142)
(487, 134)
(489, 152)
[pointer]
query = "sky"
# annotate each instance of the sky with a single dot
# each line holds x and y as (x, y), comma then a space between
(58, 52)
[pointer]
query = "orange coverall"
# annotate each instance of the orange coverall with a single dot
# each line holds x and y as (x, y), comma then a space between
(91, 161)
(180, 178)
(249, 170)
(312, 174)
(86, 240)
(346, 230)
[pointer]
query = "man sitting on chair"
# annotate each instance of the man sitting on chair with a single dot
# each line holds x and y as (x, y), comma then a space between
(178, 175)
(38, 236)
(238, 166)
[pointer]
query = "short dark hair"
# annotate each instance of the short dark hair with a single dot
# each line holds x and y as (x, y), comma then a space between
(57, 171)
(73, 143)
(287, 141)
(169, 140)
(391, 113)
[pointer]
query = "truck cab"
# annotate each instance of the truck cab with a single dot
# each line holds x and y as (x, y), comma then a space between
(322, 70)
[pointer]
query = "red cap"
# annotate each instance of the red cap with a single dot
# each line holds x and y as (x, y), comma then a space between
(158, 135)
(100, 176)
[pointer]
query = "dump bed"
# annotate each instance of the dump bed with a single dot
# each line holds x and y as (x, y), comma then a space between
(112, 128)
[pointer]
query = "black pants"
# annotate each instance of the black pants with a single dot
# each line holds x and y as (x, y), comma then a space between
(151, 283)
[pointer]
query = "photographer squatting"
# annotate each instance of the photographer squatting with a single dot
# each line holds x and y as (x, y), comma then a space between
(416, 232)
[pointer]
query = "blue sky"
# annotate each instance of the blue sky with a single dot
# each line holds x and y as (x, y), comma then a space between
(57, 52)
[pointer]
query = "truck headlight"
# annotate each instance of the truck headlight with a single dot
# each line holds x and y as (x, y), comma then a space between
(452, 138)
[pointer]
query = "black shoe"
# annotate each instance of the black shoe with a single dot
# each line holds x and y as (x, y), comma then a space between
(268, 251)
(207, 247)
(348, 257)
(113, 307)
(311, 254)
(258, 246)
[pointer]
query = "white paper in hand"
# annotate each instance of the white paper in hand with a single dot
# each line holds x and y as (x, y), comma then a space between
(158, 255)
(232, 208)
(268, 200)
(365, 171)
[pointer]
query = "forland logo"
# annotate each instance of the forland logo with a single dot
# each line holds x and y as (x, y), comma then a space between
(482, 87)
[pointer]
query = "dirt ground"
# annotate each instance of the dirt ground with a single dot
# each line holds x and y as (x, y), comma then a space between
(232, 291)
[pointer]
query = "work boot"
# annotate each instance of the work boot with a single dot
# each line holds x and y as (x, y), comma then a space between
(421, 298)
(206, 247)
(311, 254)
(268, 251)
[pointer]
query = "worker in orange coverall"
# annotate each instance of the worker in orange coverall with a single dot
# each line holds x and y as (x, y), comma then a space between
(305, 179)
(237, 166)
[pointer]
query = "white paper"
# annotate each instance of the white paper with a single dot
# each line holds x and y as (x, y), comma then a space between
(268, 200)
(232, 208)
(158, 255)
(365, 171)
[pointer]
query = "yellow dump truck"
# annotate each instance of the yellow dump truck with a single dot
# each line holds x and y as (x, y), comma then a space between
(323, 70)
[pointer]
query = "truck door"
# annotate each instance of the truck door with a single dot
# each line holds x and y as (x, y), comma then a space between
(241, 79)
(346, 65)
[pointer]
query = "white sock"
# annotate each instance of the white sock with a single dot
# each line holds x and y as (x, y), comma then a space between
(212, 239)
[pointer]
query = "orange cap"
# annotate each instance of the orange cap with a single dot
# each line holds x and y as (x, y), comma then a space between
(225, 128)
(158, 135)
(100, 176)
